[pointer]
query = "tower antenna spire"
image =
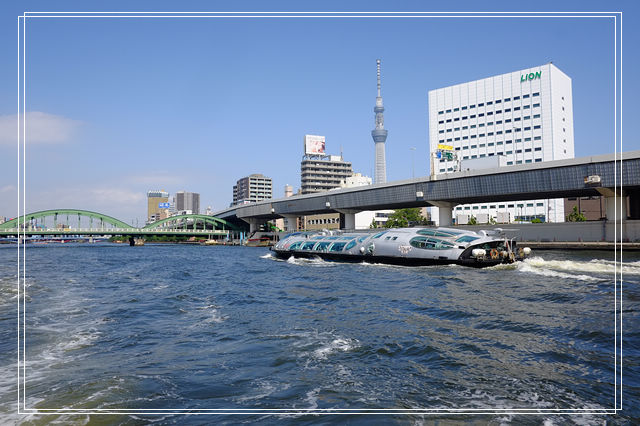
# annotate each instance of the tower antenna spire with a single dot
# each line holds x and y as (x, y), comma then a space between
(378, 62)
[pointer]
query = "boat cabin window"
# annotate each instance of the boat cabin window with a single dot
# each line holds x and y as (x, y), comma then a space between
(308, 245)
(322, 246)
(436, 233)
(295, 245)
(466, 239)
(337, 246)
(317, 237)
(430, 243)
(361, 239)
(378, 235)
(350, 245)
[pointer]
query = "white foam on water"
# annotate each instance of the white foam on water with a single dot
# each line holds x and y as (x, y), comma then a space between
(311, 398)
(598, 266)
(267, 256)
(215, 315)
(336, 345)
(262, 389)
(539, 266)
(314, 261)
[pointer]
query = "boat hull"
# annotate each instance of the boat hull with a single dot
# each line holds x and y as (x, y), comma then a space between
(390, 260)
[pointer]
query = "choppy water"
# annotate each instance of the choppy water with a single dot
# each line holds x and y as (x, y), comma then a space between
(194, 327)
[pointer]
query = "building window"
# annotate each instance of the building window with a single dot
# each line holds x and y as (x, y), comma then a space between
(537, 105)
(527, 150)
(464, 138)
(498, 101)
(481, 135)
(490, 134)
(472, 106)
(464, 107)
(448, 110)
(481, 145)
(537, 138)
(473, 126)
(536, 127)
(538, 160)
(516, 109)
(515, 98)
(464, 118)
(527, 161)
(441, 131)
(490, 103)
(490, 113)
(472, 116)
(473, 136)
(456, 109)
(456, 119)
(479, 105)
(440, 112)
(448, 120)
(527, 128)
(538, 148)
(525, 96)
(490, 144)
(509, 163)
(465, 127)
(519, 162)
(527, 117)
(499, 143)
(536, 94)
(499, 122)
(509, 152)
(481, 115)
(536, 115)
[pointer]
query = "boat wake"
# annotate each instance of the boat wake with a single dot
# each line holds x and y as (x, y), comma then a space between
(593, 270)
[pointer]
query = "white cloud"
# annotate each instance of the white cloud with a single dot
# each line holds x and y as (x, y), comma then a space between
(8, 188)
(41, 128)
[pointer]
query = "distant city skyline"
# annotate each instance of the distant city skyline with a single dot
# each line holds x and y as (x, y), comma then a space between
(119, 106)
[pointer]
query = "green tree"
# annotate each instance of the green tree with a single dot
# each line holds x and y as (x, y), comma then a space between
(576, 216)
(373, 225)
(473, 221)
(402, 218)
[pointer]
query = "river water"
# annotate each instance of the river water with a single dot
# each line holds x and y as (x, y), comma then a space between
(162, 328)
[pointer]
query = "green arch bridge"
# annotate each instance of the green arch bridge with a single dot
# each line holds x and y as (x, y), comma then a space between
(89, 223)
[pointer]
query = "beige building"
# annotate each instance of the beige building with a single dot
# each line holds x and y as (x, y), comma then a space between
(157, 205)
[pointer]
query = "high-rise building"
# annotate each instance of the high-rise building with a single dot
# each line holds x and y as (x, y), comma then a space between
(520, 117)
(255, 187)
(319, 175)
(157, 205)
(321, 172)
(379, 135)
(187, 201)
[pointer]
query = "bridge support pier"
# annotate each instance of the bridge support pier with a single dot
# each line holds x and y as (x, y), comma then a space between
(254, 223)
(616, 203)
(290, 222)
(349, 219)
(445, 212)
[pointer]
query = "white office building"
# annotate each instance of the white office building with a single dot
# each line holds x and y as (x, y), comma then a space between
(520, 117)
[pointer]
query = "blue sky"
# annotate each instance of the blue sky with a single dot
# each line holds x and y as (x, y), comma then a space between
(122, 106)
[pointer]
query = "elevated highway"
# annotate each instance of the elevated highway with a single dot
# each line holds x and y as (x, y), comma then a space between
(614, 176)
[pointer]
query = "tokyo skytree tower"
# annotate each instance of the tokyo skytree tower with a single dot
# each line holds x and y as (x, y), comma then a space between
(379, 135)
